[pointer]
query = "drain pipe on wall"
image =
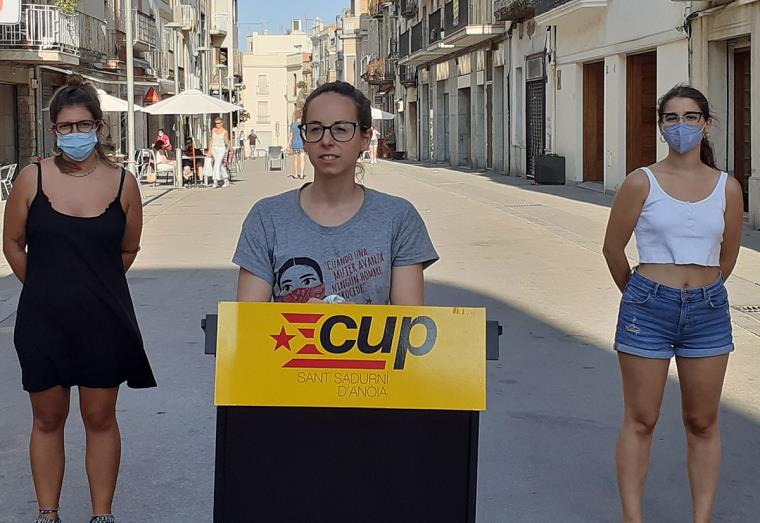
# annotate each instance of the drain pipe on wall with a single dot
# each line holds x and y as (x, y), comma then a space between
(553, 62)
(508, 88)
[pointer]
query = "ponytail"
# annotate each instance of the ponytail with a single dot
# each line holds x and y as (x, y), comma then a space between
(706, 154)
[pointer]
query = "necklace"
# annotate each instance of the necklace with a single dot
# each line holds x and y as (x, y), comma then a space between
(88, 173)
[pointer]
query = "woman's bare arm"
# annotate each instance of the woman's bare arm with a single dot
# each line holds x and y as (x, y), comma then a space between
(732, 232)
(252, 288)
(408, 285)
(14, 223)
(623, 217)
(132, 203)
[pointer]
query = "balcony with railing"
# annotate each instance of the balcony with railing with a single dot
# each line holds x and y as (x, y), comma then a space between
(435, 26)
(408, 8)
(376, 9)
(381, 71)
(455, 19)
(144, 34)
(451, 29)
(219, 25)
(551, 11)
(46, 34)
(407, 75)
(514, 10)
(403, 44)
(417, 42)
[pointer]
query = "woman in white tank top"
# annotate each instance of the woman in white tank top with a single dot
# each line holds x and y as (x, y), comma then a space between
(687, 217)
(219, 144)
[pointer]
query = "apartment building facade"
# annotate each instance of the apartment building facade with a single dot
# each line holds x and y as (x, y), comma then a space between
(273, 67)
(50, 42)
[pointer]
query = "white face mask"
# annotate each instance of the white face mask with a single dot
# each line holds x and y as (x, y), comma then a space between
(160, 133)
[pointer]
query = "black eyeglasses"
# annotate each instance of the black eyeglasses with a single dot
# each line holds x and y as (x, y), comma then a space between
(83, 126)
(340, 131)
(690, 118)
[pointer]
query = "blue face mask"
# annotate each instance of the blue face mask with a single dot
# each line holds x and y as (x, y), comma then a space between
(78, 146)
(683, 137)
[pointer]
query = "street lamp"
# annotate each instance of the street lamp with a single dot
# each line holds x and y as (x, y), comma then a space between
(205, 85)
(177, 27)
(130, 85)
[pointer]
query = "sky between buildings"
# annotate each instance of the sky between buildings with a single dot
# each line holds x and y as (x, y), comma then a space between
(275, 15)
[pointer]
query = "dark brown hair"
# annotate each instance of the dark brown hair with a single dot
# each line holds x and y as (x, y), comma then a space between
(77, 91)
(686, 91)
(363, 107)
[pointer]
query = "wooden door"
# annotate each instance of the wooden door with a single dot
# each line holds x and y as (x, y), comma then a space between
(742, 120)
(641, 129)
(593, 122)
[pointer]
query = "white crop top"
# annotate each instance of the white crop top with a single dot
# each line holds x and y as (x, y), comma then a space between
(679, 232)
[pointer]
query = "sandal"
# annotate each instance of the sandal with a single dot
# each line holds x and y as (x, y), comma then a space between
(105, 518)
(43, 513)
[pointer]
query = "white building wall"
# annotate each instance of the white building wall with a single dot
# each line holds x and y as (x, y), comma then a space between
(609, 34)
(713, 37)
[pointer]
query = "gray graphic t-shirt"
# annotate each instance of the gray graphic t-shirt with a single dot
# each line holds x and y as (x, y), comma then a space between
(301, 259)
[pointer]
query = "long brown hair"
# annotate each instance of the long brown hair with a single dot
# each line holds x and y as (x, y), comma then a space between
(706, 153)
(77, 91)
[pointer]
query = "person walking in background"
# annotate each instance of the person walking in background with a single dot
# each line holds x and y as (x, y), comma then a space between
(72, 230)
(163, 137)
(373, 143)
(219, 144)
(295, 146)
(252, 138)
(687, 216)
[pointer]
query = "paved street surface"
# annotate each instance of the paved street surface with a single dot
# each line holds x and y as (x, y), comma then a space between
(531, 254)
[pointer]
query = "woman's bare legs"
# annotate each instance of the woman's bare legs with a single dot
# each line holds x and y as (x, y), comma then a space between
(49, 411)
(643, 388)
(701, 384)
(98, 407)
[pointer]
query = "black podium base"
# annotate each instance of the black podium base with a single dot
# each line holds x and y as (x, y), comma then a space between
(345, 465)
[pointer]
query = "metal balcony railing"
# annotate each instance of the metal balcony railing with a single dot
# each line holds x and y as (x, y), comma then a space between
(407, 75)
(544, 6)
(238, 64)
(220, 24)
(376, 8)
(48, 28)
(408, 8)
(513, 10)
(454, 21)
(416, 40)
(145, 30)
(381, 71)
(403, 44)
(434, 26)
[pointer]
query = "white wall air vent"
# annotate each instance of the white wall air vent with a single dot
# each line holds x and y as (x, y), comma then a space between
(535, 68)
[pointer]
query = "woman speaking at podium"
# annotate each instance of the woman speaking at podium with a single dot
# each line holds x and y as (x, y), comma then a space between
(334, 239)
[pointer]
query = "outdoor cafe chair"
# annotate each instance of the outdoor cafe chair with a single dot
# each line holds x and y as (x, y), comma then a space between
(6, 180)
(275, 155)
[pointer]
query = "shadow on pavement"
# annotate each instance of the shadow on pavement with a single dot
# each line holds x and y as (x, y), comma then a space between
(547, 438)
(750, 238)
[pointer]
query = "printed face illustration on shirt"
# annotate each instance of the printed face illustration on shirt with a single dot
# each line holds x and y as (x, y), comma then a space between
(299, 279)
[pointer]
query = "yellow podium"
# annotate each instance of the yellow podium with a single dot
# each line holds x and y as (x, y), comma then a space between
(333, 413)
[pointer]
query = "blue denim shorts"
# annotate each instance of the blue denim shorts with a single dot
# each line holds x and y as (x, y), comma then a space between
(656, 321)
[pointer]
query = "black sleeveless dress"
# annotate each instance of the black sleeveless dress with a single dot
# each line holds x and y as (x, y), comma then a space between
(76, 324)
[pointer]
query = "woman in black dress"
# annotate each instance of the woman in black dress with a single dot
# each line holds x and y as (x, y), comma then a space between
(72, 230)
